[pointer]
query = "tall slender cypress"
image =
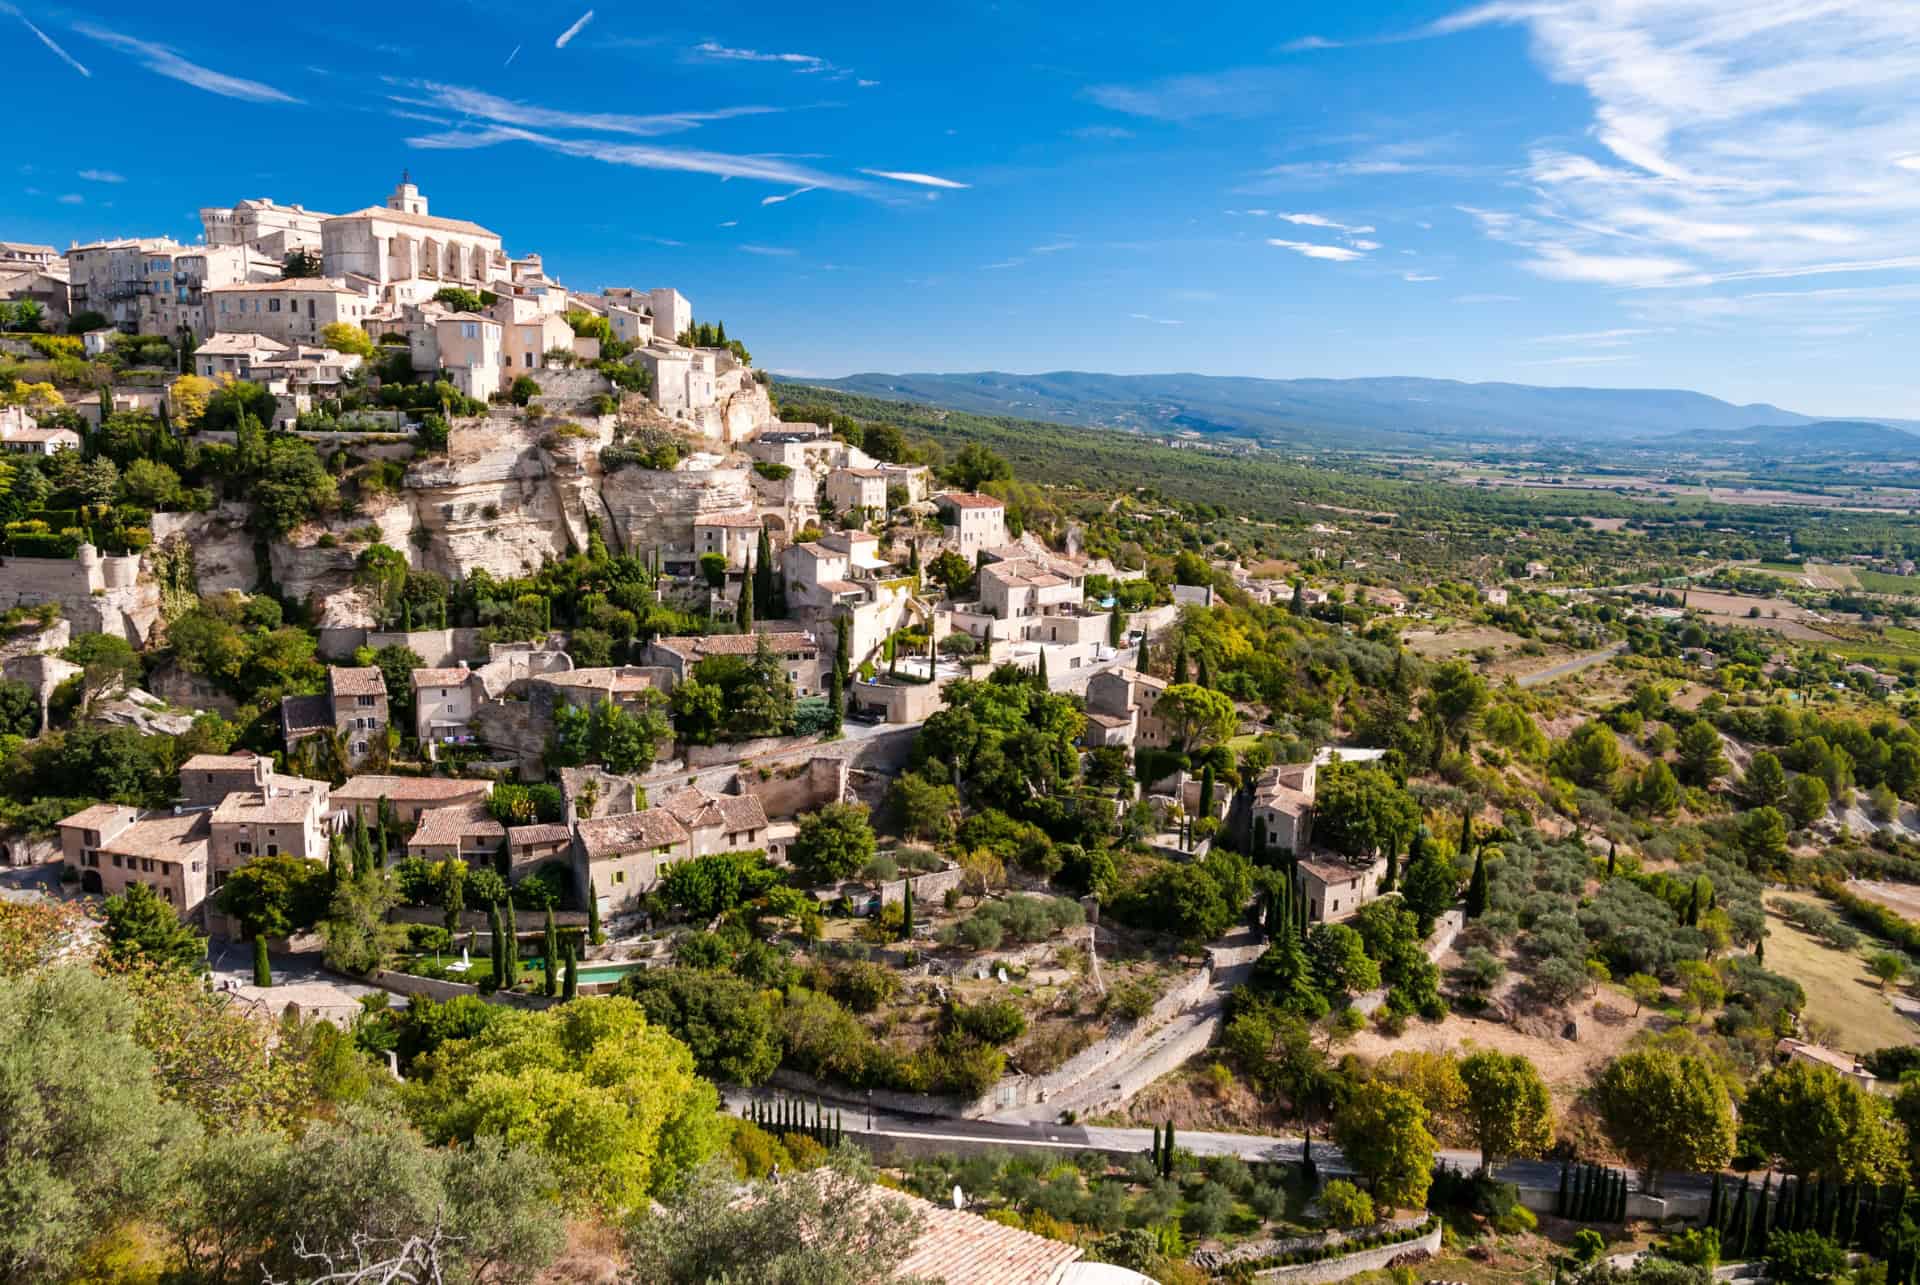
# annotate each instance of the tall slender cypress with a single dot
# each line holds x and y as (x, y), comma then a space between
(1560, 1198)
(1168, 1158)
(496, 955)
(1735, 1236)
(1716, 1204)
(1763, 1213)
(594, 935)
(550, 956)
(570, 989)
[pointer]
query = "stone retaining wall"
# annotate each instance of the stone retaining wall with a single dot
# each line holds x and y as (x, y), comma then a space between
(1365, 1260)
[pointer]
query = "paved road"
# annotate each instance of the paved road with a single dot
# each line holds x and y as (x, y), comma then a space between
(1252, 1147)
(1573, 666)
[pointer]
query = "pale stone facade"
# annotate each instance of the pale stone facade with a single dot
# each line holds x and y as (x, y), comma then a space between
(972, 522)
(263, 225)
(402, 244)
(292, 311)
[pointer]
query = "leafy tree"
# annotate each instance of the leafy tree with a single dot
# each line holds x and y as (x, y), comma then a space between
(1359, 809)
(1888, 966)
(1665, 1110)
(232, 403)
(19, 709)
(975, 466)
(358, 937)
(272, 896)
(723, 1019)
(1340, 963)
(1763, 836)
(293, 488)
(951, 572)
(1645, 990)
(827, 1225)
(85, 1139)
(1382, 1131)
(925, 809)
(1765, 783)
(187, 399)
(1346, 1205)
(1807, 799)
(832, 843)
(717, 882)
(1196, 718)
(1702, 761)
(1806, 1258)
(1430, 885)
(1508, 1106)
(523, 390)
(461, 299)
(142, 926)
(301, 263)
(591, 1084)
(344, 337)
(1657, 793)
(621, 739)
(1821, 1125)
(150, 484)
(1590, 757)
(1456, 697)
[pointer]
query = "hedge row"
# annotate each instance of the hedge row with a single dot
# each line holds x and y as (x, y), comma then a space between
(1339, 1249)
(1876, 918)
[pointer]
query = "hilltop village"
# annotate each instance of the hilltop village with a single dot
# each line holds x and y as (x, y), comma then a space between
(453, 715)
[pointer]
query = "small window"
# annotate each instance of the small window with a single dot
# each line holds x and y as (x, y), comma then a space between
(619, 876)
(273, 305)
(116, 861)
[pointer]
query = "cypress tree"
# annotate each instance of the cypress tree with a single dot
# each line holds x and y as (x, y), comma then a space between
(1760, 951)
(550, 956)
(1392, 876)
(1203, 671)
(570, 989)
(1784, 1208)
(1154, 1153)
(1477, 886)
(1259, 837)
(594, 935)
(1040, 672)
(1714, 1204)
(1560, 1198)
(1167, 1159)
(1613, 848)
(763, 569)
(1620, 1197)
(1577, 1200)
(513, 947)
(1828, 1221)
(906, 911)
(1763, 1214)
(496, 956)
(1140, 660)
(1466, 833)
(1180, 664)
(1206, 790)
(262, 966)
(1735, 1236)
(1851, 1224)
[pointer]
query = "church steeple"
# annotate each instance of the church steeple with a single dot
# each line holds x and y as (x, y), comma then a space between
(406, 197)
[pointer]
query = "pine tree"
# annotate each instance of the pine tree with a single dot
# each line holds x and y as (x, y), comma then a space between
(550, 956)
(262, 966)
(594, 935)
(1477, 886)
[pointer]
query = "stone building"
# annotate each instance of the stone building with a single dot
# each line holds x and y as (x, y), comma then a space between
(409, 796)
(622, 858)
(407, 252)
(112, 847)
(264, 226)
(354, 705)
(972, 522)
(294, 311)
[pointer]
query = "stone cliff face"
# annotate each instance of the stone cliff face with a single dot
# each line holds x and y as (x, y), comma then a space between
(652, 508)
(223, 547)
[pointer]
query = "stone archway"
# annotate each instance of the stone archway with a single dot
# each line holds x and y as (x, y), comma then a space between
(90, 881)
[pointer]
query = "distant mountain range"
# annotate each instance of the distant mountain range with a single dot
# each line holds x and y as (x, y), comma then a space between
(1381, 413)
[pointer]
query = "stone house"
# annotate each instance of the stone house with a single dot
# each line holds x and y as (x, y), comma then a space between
(234, 353)
(285, 816)
(858, 491)
(531, 846)
(21, 434)
(292, 311)
(264, 226)
(354, 704)
(465, 830)
(407, 252)
(112, 847)
(972, 522)
(734, 536)
(409, 795)
(622, 858)
(1128, 694)
(795, 648)
(717, 822)
(1334, 888)
(471, 353)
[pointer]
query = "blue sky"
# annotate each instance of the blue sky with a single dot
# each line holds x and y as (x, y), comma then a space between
(1713, 194)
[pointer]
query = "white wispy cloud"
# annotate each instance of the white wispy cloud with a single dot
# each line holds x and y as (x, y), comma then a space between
(1004, 263)
(511, 57)
(506, 111)
(788, 196)
(1617, 338)
(771, 251)
(1321, 221)
(1418, 276)
(1101, 132)
(1486, 298)
(1763, 140)
(101, 176)
(1583, 359)
(914, 177)
(46, 40)
(73, 198)
(163, 61)
(1158, 321)
(1241, 92)
(561, 41)
(1306, 43)
(1361, 243)
(731, 223)
(1335, 253)
(1054, 247)
(644, 156)
(804, 64)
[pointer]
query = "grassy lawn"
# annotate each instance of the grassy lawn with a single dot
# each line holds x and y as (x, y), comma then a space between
(1784, 568)
(1882, 582)
(1839, 988)
(1896, 644)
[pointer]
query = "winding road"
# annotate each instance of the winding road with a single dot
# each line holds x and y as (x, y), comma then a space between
(1573, 666)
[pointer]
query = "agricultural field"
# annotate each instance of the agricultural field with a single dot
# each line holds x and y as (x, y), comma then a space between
(1777, 615)
(1447, 643)
(1901, 898)
(1883, 582)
